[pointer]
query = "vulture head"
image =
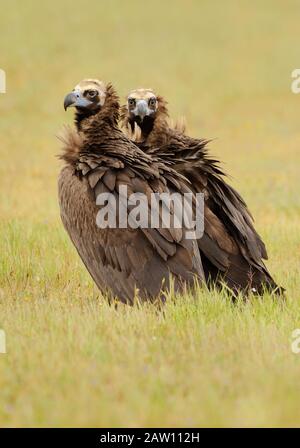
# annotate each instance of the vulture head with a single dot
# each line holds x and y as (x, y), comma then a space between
(141, 104)
(143, 107)
(87, 96)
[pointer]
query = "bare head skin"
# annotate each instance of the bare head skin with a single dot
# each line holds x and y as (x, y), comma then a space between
(88, 95)
(142, 103)
(143, 108)
(88, 98)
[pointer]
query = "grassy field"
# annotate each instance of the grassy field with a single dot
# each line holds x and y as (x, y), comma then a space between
(71, 359)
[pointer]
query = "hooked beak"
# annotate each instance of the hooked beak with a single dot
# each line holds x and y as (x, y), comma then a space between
(142, 109)
(75, 99)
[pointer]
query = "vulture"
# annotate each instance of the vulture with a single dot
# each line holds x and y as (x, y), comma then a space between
(133, 261)
(232, 252)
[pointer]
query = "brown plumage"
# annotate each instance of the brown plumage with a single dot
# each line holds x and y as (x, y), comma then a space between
(99, 159)
(231, 250)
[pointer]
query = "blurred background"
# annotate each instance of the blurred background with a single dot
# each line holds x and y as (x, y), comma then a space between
(225, 66)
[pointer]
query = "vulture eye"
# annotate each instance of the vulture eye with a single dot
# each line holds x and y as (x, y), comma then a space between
(152, 101)
(131, 101)
(92, 93)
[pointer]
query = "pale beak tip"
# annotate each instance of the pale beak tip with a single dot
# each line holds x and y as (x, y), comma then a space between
(69, 100)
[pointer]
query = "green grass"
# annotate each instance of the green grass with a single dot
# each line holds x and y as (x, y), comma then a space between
(71, 359)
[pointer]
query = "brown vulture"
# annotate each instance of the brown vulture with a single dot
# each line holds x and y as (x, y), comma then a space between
(99, 158)
(231, 250)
